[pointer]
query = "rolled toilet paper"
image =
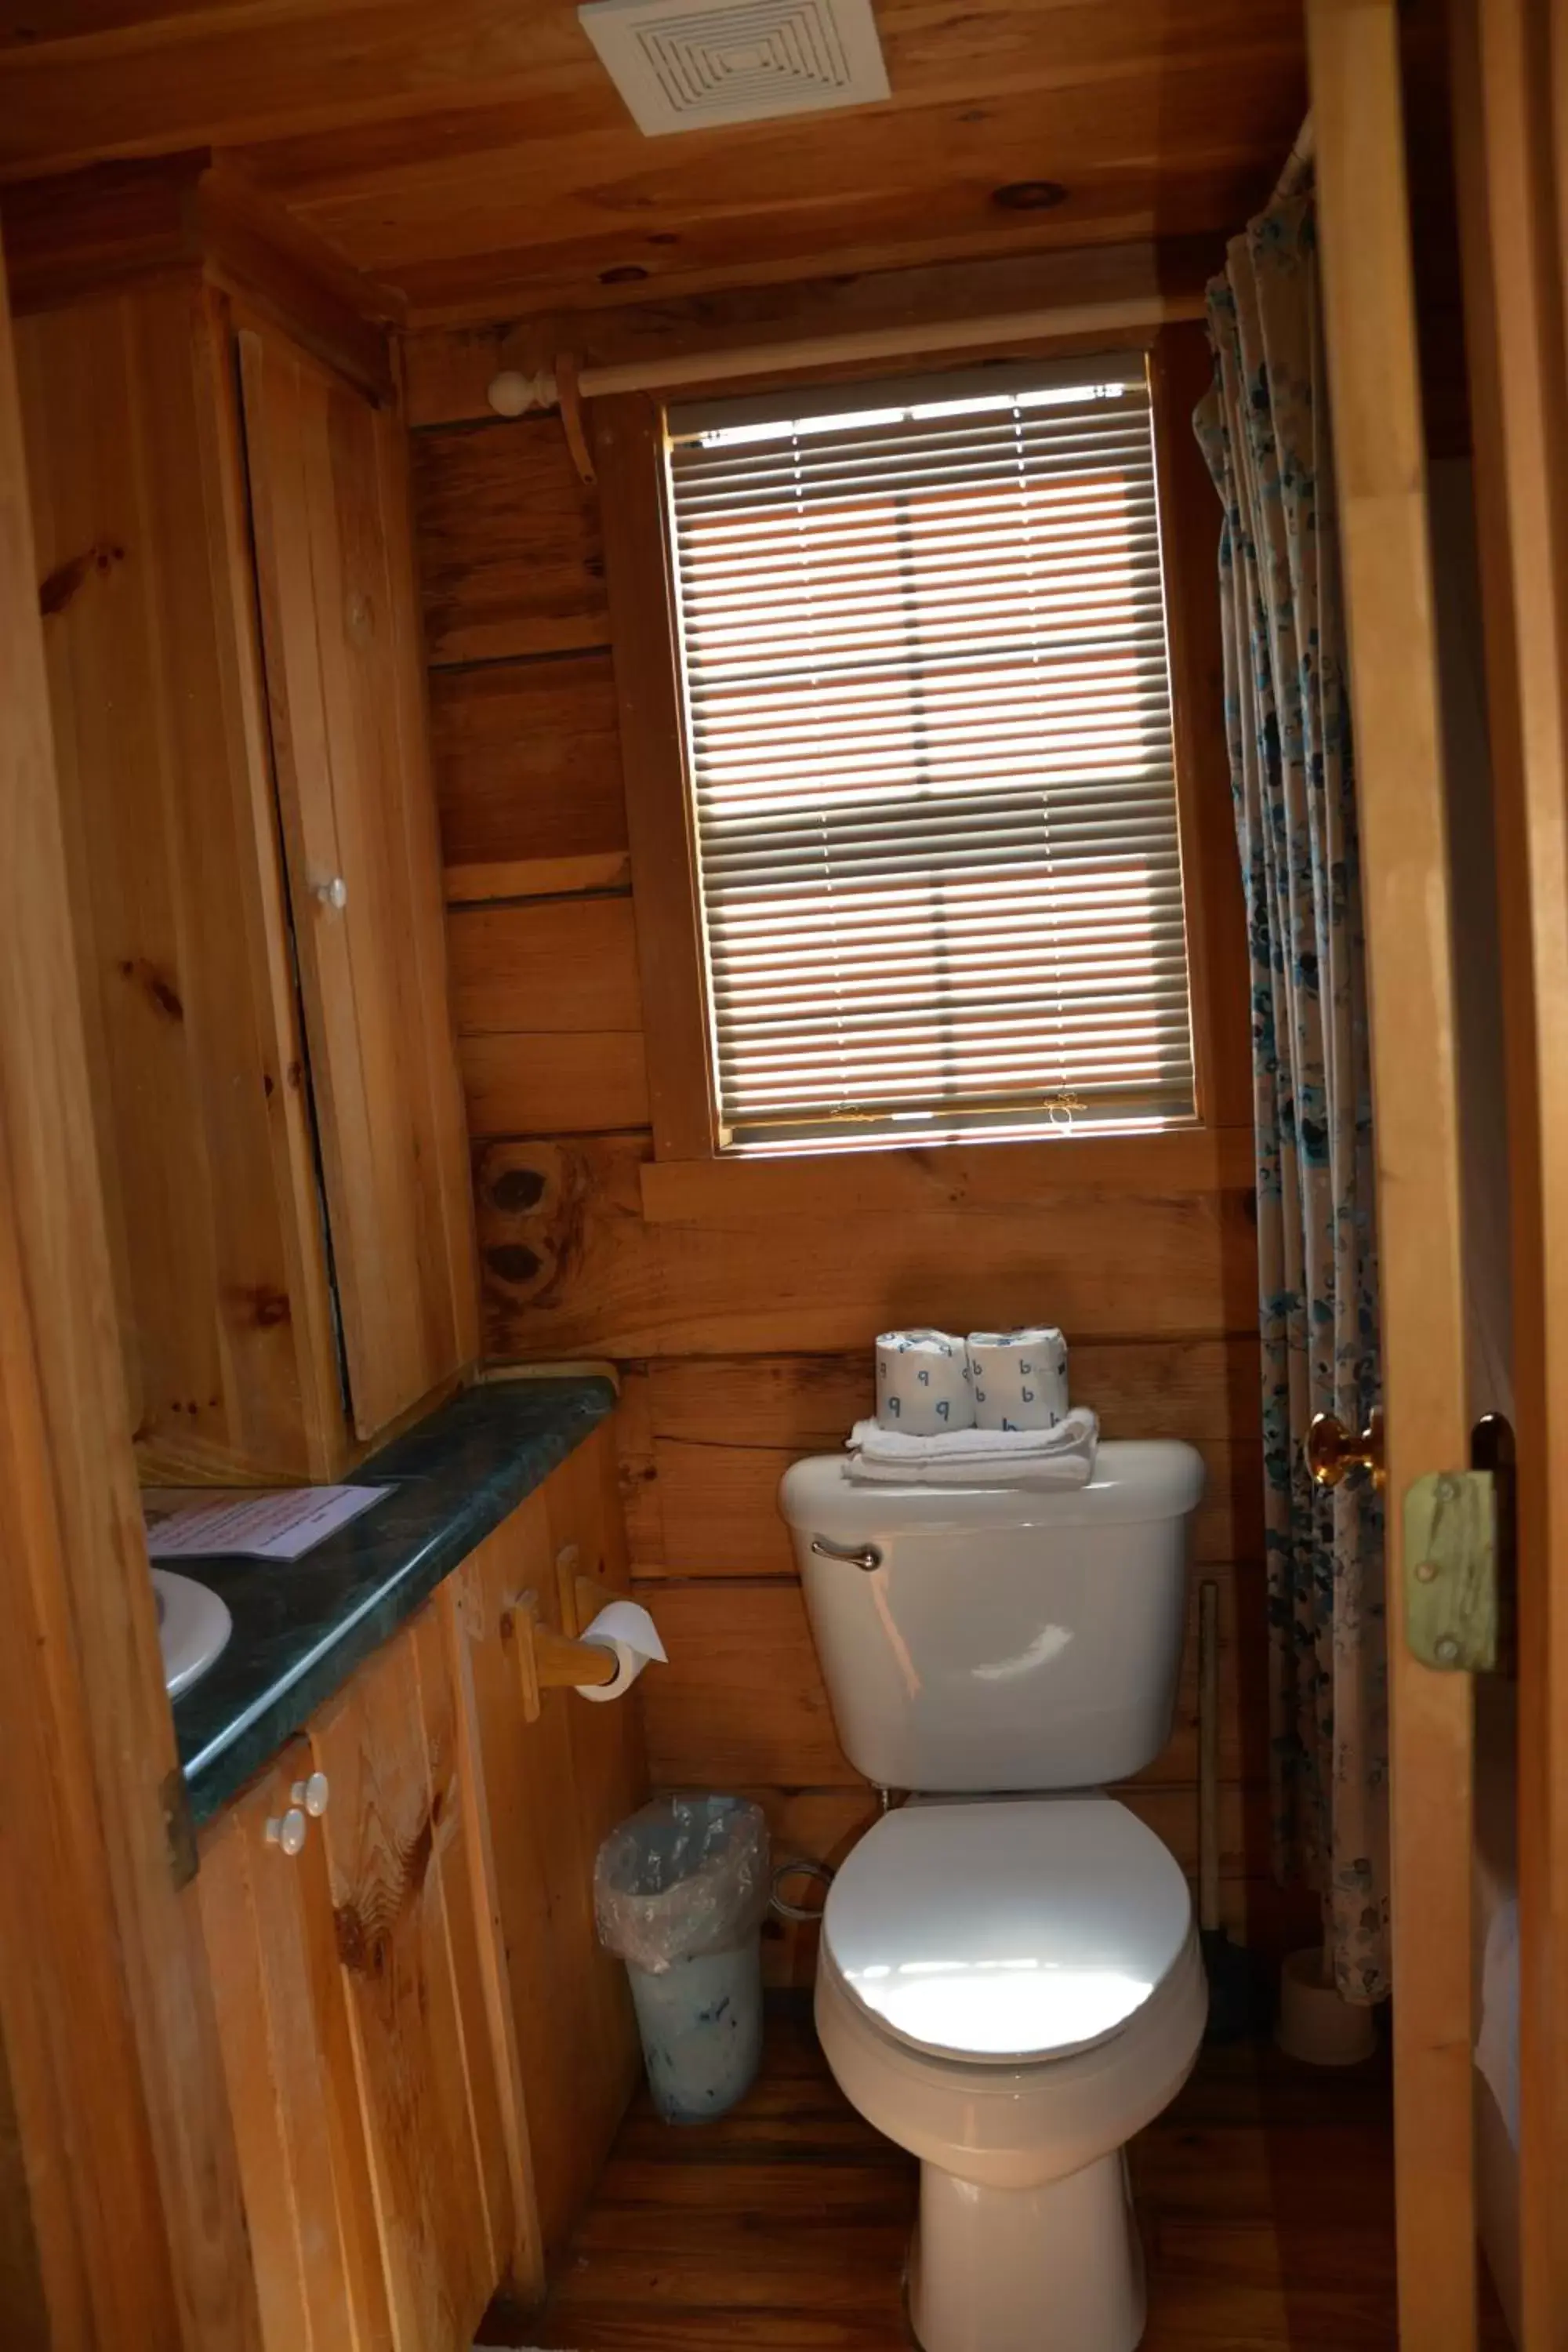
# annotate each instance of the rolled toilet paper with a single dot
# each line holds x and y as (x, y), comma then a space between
(626, 1628)
(922, 1383)
(1019, 1379)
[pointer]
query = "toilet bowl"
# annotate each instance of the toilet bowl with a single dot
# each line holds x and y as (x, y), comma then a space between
(1009, 1984)
(1011, 1988)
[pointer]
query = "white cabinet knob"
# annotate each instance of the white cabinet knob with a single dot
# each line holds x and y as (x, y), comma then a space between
(333, 893)
(312, 1794)
(289, 1832)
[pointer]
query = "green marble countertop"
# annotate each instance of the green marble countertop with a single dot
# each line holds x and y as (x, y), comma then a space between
(302, 1627)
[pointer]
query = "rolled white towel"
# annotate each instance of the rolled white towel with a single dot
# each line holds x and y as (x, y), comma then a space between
(1062, 1456)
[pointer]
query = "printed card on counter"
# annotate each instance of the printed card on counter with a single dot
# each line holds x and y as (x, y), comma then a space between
(277, 1523)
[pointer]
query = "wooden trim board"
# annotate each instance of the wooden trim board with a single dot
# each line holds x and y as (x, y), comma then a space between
(628, 438)
(1379, 465)
(1021, 1176)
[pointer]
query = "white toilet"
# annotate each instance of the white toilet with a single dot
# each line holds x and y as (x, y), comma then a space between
(1010, 1983)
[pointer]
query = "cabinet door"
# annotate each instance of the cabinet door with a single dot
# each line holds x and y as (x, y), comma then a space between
(412, 1924)
(551, 1790)
(202, 1127)
(346, 692)
(268, 1920)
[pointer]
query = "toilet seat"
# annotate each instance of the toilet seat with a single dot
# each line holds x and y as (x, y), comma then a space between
(1016, 2127)
(1007, 1932)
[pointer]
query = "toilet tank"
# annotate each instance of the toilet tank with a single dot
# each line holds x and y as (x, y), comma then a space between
(1003, 1639)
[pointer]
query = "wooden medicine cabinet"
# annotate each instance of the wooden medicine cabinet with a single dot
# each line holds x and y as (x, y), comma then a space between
(217, 467)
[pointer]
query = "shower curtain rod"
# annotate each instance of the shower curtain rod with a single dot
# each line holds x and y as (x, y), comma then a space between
(512, 394)
(1297, 163)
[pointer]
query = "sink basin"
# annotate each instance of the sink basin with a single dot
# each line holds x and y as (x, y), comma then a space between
(193, 1626)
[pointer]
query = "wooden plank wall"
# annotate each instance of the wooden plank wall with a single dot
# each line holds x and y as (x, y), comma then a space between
(740, 1300)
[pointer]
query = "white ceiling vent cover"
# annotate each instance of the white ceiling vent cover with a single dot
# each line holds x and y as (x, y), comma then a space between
(683, 64)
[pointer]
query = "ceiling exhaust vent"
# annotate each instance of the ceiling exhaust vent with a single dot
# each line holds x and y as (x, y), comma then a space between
(683, 64)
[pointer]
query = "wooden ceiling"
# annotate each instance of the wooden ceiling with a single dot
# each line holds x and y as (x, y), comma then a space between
(473, 154)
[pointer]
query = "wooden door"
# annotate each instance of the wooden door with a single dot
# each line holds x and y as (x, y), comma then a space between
(412, 1929)
(304, 2165)
(552, 1788)
(1380, 466)
(345, 691)
(125, 2227)
(1510, 63)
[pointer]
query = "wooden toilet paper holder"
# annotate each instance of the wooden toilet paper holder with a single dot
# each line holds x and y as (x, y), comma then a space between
(547, 1660)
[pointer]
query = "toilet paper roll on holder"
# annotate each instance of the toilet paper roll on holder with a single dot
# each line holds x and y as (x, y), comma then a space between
(548, 1660)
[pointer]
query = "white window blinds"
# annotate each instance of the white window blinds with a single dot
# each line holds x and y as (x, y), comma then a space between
(929, 725)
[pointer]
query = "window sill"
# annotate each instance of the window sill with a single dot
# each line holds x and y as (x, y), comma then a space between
(996, 1178)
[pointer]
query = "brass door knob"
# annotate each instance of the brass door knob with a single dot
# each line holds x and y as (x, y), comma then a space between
(1332, 1452)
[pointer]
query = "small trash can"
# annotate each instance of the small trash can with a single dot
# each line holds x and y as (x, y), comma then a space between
(680, 1892)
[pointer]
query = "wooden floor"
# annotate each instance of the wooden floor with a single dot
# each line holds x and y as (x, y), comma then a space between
(1265, 2193)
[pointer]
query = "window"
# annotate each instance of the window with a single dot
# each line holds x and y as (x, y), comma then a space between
(929, 751)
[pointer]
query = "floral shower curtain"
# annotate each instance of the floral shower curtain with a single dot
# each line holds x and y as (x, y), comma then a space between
(1265, 433)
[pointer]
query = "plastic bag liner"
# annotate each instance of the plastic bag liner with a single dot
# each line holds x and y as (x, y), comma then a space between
(685, 1877)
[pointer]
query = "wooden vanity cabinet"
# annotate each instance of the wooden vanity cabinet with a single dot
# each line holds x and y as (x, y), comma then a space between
(415, 1943)
(231, 625)
(377, 2155)
(288, 2059)
(553, 1788)
(427, 2054)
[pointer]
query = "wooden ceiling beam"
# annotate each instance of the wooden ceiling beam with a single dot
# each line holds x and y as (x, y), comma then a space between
(718, 258)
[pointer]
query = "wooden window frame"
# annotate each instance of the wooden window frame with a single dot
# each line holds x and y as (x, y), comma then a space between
(640, 576)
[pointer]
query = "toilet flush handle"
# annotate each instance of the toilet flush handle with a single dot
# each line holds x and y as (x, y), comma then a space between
(866, 1556)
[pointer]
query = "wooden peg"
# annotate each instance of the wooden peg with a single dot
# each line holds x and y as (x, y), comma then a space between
(569, 391)
(547, 1660)
(568, 1565)
(581, 1596)
(517, 1625)
(561, 1663)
